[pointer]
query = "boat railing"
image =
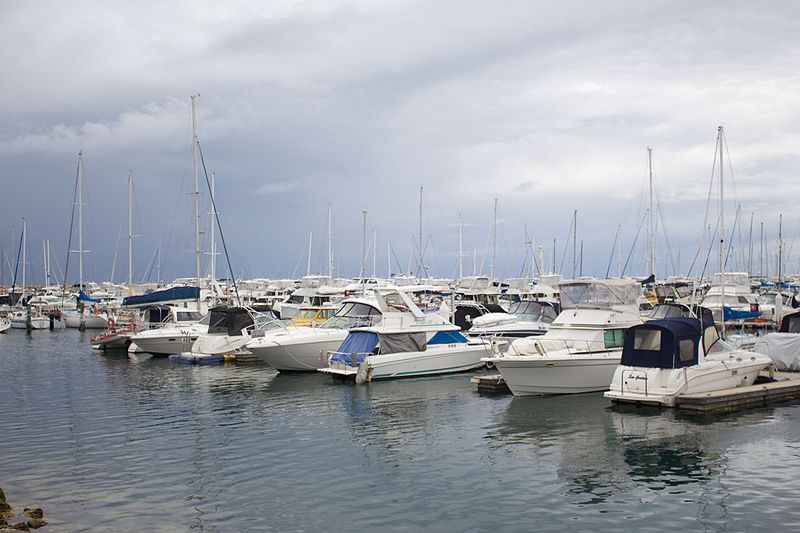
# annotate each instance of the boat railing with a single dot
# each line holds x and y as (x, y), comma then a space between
(545, 347)
(347, 359)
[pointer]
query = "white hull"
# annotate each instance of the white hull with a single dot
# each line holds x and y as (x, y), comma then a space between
(38, 322)
(534, 375)
(659, 386)
(438, 359)
(296, 353)
(113, 340)
(167, 344)
(91, 321)
(5, 325)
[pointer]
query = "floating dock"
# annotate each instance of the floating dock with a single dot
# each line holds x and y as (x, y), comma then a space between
(786, 386)
(783, 387)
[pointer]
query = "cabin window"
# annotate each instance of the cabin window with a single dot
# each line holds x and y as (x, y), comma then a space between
(647, 339)
(614, 338)
(686, 349)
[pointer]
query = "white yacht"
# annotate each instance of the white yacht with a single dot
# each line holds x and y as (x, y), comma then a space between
(5, 323)
(167, 340)
(229, 329)
(303, 348)
(126, 323)
(581, 348)
(664, 359)
(735, 289)
(407, 343)
(524, 319)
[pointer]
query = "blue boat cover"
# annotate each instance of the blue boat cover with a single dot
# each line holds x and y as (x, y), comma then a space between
(86, 298)
(668, 343)
(166, 295)
(733, 314)
(359, 342)
(447, 337)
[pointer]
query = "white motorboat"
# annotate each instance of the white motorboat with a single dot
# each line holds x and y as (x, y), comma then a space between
(407, 343)
(303, 348)
(121, 328)
(524, 319)
(228, 331)
(165, 341)
(581, 348)
(92, 319)
(5, 323)
(664, 359)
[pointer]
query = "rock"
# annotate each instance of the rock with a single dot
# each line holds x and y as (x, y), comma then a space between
(33, 512)
(21, 526)
(5, 510)
(36, 523)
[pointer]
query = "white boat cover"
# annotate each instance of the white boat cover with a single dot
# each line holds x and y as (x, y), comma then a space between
(782, 348)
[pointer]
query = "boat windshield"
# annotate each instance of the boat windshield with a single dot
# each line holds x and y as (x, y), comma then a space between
(533, 312)
(353, 315)
(188, 316)
(597, 295)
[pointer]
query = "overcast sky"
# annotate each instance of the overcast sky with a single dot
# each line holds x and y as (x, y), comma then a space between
(548, 108)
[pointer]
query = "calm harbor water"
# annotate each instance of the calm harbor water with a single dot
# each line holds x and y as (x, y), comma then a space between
(107, 444)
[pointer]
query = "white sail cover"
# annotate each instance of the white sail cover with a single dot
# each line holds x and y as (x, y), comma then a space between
(782, 348)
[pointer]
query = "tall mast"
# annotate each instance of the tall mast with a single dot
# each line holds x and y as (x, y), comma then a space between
(130, 228)
(308, 264)
(721, 227)
(213, 225)
(494, 240)
(650, 226)
(750, 247)
(80, 219)
(46, 251)
(330, 244)
(363, 246)
(388, 260)
(158, 264)
(196, 191)
(419, 243)
(374, 252)
(460, 247)
(761, 251)
(574, 243)
(780, 247)
(24, 238)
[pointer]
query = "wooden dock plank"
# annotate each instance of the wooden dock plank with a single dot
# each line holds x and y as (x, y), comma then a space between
(786, 388)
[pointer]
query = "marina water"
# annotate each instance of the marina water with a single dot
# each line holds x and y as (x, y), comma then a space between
(104, 443)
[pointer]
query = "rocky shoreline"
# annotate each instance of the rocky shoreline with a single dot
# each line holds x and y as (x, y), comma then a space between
(34, 515)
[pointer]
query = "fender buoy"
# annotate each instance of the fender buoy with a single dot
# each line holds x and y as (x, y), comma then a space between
(110, 322)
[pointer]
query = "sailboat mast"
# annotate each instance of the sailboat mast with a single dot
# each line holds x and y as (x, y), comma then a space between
(196, 192)
(574, 243)
(363, 245)
(24, 239)
(460, 247)
(130, 228)
(780, 247)
(374, 252)
(650, 227)
(80, 220)
(308, 263)
(721, 227)
(419, 242)
(330, 244)
(494, 240)
(213, 226)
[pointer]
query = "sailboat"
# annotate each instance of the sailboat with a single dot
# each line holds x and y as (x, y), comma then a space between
(27, 315)
(95, 318)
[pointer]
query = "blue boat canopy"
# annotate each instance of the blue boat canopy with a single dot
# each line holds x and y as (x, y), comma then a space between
(360, 343)
(86, 298)
(448, 337)
(159, 297)
(734, 314)
(669, 343)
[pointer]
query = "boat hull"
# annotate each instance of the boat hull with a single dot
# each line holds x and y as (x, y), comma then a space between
(662, 386)
(571, 374)
(442, 359)
(39, 322)
(91, 321)
(285, 353)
